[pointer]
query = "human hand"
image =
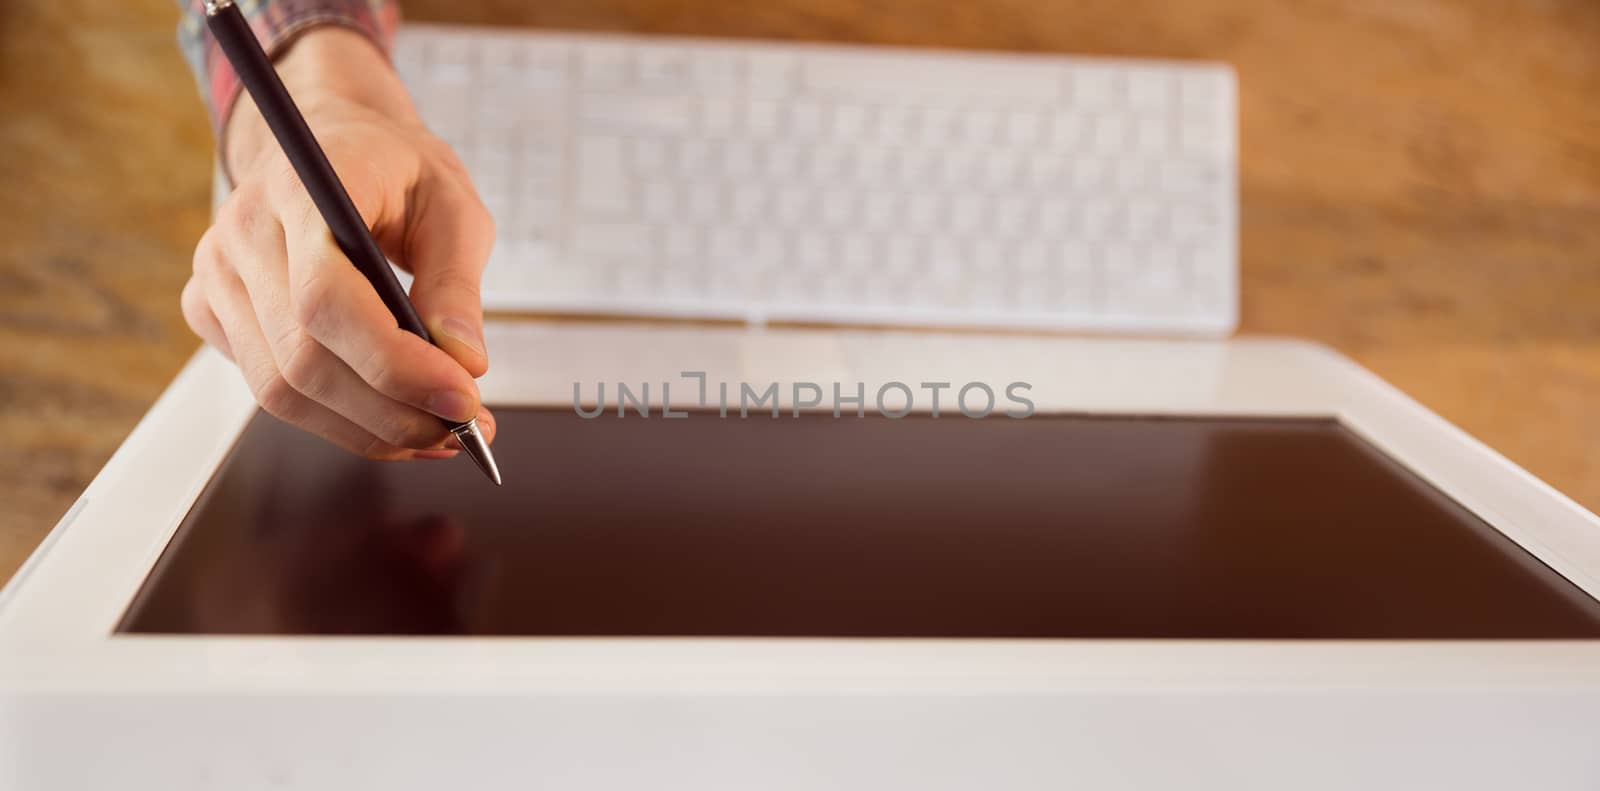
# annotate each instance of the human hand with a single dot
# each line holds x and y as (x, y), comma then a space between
(274, 293)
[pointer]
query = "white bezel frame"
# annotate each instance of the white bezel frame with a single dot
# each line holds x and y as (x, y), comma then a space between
(57, 616)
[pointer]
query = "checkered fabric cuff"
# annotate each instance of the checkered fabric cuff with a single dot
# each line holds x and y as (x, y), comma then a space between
(276, 23)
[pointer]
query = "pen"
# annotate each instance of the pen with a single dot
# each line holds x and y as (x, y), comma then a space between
(256, 73)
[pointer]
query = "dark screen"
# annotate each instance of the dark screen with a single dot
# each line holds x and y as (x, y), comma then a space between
(1055, 526)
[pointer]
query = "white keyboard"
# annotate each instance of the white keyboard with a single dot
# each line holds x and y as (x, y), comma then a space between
(809, 183)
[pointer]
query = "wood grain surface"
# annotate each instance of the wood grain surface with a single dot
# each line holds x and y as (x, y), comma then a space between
(1420, 188)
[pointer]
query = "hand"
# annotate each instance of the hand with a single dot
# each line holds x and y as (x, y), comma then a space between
(273, 292)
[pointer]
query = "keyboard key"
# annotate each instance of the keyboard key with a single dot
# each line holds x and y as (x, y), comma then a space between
(719, 116)
(1075, 271)
(660, 67)
(922, 212)
(715, 70)
(1150, 136)
(1058, 217)
(1149, 88)
(764, 118)
(1201, 139)
(917, 167)
(611, 240)
(602, 185)
(680, 243)
(985, 293)
(605, 66)
(856, 254)
(1102, 219)
(749, 202)
(1189, 177)
(1165, 267)
(1192, 220)
(1000, 169)
(947, 257)
(650, 156)
(794, 206)
(738, 159)
(805, 119)
(766, 250)
(838, 208)
(1204, 88)
(782, 162)
(895, 125)
(704, 202)
(1046, 171)
(931, 79)
(726, 245)
(813, 253)
(849, 122)
(1096, 87)
(989, 258)
(1143, 219)
(958, 168)
(829, 165)
(938, 127)
(1032, 258)
(878, 211)
(660, 201)
(637, 114)
(1130, 175)
(980, 127)
(1091, 175)
(1111, 134)
(966, 213)
(872, 166)
(1068, 130)
(694, 158)
(1011, 215)
(901, 256)
(769, 74)
(1023, 128)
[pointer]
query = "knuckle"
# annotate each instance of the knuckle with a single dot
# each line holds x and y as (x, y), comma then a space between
(243, 208)
(280, 181)
(378, 449)
(375, 449)
(408, 431)
(278, 398)
(311, 299)
(453, 280)
(304, 365)
(196, 312)
(376, 369)
(444, 152)
(485, 221)
(207, 253)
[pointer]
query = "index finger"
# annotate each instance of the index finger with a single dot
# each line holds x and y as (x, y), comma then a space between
(342, 311)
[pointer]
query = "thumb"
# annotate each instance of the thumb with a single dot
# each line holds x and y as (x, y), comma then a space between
(449, 244)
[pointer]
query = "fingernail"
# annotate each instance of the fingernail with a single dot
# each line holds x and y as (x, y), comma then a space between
(463, 332)
(436, 454)
(450, 405)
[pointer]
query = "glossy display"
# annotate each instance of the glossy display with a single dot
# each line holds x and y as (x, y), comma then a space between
(1054, 526)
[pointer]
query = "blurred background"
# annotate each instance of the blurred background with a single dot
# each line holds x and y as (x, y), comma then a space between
(1420, 189)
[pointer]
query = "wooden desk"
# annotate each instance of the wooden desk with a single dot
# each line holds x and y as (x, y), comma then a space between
(1421, 189)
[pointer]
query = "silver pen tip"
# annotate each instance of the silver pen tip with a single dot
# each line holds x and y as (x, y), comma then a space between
(472, 441)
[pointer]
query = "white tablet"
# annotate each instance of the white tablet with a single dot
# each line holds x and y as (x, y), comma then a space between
(775, 563)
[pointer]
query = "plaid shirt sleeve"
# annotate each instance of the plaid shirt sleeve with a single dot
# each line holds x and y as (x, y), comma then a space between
(276, 23)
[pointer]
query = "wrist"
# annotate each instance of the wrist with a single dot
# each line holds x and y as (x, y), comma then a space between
(324, 69)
